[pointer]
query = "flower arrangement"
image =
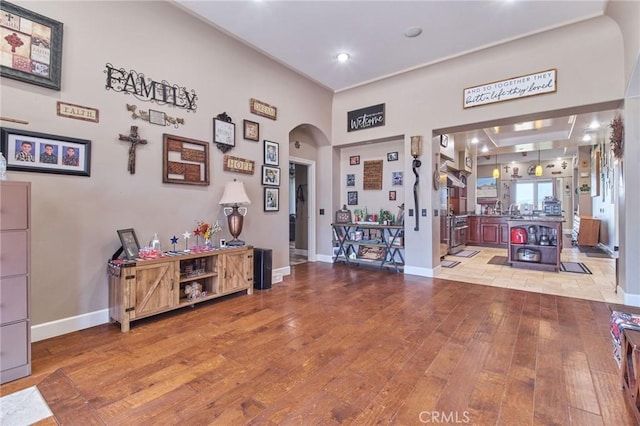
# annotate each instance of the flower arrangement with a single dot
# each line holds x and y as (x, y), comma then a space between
(206, 229)
(617, 136)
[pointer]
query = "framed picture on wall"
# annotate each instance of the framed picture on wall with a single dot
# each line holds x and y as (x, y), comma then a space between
(251, 130)
(271, 199)
(32, 49)
(351, 180)
(352, 198)
(271, 175)
(271, 153)
(27, 151)
(354, 160)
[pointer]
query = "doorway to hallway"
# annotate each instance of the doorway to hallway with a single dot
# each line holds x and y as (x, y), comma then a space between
(301, 235)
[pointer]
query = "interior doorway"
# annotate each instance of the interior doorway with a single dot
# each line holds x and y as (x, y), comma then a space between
(301, 208)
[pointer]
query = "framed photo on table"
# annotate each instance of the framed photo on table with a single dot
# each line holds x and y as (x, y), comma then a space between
(130, 245)
(43, 153)
(271, 153)
(32, 47)
(251, 130)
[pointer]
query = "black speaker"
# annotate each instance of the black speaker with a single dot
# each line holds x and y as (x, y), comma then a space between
(262, 259)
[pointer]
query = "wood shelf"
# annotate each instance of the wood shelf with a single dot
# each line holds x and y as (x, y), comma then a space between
(148, 287)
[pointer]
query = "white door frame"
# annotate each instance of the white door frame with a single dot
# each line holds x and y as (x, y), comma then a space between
(311, 195)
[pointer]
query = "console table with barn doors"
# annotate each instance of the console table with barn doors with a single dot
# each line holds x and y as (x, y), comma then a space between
(142, 288)
(369, 244)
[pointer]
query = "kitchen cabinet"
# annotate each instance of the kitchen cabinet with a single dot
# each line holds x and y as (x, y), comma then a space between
(15, 280)
(473, 236)
(142, 288)
(488, 231)
(547, 257)
(369, 244)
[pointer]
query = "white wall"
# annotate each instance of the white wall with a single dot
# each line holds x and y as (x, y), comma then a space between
(75, 218)
(428, 101)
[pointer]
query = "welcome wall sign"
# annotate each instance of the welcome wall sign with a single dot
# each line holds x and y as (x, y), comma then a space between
(513, 88)
(365, 118)
(149, 90)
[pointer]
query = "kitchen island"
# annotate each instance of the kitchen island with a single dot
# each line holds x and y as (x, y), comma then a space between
(535, 242)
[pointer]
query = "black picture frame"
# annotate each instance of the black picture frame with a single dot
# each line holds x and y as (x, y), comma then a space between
(392, 196)
(444, 141)
(352, 198)
(224, 132)
(354, 160)
(271, 153)
(38, 49)
(271, 176)
(130, 244)
(343, 216)
(251, 130)
(39, 159)
(351, 179)
(392, 156)
(271, 199)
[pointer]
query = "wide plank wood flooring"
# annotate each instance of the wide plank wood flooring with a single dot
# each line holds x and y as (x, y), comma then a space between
(341, 345)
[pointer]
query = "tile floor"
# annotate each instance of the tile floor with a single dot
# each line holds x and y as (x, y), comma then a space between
(295, 259)
(600, 286)
(24, 407)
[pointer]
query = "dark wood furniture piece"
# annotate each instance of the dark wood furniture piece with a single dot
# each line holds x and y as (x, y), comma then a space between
(15, 277)
(488, 231)
(630, 369)
(148, 287)
(549, 254)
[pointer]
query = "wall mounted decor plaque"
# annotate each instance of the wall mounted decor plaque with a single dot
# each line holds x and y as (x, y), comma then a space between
(31, 46)
(79, 112)
(263, 109)
(372, 175)
(238, 165)
(148, 90)
(186, 161)
(514, 88)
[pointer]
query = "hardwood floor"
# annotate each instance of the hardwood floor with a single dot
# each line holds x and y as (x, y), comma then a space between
(333, 344)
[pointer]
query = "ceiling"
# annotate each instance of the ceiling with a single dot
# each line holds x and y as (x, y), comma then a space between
(306, 36)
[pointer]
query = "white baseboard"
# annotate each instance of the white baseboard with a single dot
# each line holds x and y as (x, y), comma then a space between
(68, 325)
(277, 274)
(324, 258)
(421, 272)
(629, 299)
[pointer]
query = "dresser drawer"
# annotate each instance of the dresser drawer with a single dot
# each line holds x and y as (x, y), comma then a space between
(14, 206)
(13, 299)
(13, 253)
(14, 351)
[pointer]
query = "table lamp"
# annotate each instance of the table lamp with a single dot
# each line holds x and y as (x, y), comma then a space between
(233, 197)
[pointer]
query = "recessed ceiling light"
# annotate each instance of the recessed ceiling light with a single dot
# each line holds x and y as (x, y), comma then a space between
(412, 32)
(594, 125)
(586, 138)
(474, 140)
(485, 149)
(343, 57)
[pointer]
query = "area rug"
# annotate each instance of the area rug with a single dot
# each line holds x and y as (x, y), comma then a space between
(449, 263)
(498, 260)
(466, 253)
(594, 252)
(577, 267)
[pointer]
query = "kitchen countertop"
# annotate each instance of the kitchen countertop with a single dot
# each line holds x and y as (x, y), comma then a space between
(524, 218)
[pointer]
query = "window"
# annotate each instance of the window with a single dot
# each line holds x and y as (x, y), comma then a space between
(533, 192)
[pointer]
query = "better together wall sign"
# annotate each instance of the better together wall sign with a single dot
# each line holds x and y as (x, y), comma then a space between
(513, 88)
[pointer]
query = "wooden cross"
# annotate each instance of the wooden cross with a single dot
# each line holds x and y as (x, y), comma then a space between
(134, 140)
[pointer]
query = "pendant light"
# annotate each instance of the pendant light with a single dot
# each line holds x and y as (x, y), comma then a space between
(538, 171)
(496, 170)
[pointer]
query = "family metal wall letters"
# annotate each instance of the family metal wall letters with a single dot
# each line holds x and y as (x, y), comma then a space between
(146, 89)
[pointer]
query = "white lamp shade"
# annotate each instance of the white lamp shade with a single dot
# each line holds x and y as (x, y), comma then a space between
(234, 193)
